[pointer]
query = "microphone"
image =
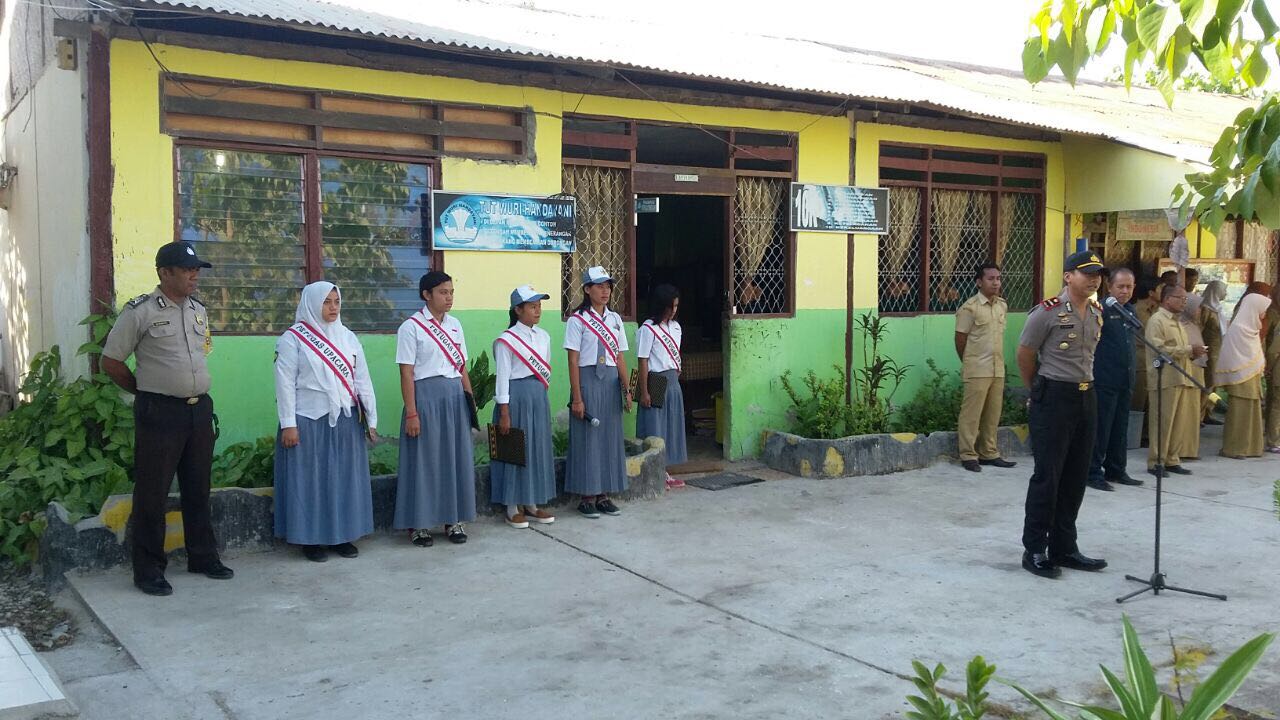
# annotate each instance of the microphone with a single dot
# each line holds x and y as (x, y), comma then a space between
(1125, 312)
(586, 417)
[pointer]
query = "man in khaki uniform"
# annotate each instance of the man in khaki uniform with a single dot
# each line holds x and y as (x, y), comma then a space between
(980, 324)
(1178, 403)
(167, 331)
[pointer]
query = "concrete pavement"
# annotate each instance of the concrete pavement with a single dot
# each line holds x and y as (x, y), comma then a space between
(789, 598)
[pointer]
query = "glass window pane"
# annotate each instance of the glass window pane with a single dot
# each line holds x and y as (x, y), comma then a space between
(374, 215)
(243, 213)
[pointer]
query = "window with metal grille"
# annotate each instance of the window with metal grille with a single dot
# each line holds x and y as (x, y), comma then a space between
(761, 247)
(269, 222)
(950, 211)
(603, 232)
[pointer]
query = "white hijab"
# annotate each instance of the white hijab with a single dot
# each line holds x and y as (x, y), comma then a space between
(1214, 293)
(311, 311)
(1241, 358)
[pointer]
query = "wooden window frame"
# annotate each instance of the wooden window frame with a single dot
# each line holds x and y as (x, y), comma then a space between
(629, 142)
(311, 218)
(929, 166)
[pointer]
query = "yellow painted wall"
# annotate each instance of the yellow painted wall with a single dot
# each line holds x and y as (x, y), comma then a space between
(868, 137)
(1105, 177)
(143, 156)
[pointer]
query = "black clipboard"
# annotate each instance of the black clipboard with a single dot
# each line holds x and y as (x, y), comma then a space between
(657, 390)
(509, 448)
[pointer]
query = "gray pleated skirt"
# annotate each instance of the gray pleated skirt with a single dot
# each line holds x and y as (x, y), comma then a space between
(322, 490)
(666, 422)
(597, 461)
(534, 483)
(437, 478)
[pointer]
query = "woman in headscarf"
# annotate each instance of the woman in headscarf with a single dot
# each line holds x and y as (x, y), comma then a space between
(1240, 368)
(326, 408)
(1213, 325)
(1188, 432)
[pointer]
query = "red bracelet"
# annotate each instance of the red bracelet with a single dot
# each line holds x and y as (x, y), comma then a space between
(410, 417)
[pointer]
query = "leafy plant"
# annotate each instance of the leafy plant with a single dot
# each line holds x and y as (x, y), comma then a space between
(560, 445)
(929, 705)
(483, 381)
(1243, 179)
(1139, 696)
(876, 382)
(248, 464)
(936, 405)
(823, 412)
(71, 442)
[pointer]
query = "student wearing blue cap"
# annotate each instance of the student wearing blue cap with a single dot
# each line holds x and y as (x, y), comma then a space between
(523, 369)
(595, 340)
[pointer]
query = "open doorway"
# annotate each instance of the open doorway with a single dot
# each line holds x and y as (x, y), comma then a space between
(683, 244)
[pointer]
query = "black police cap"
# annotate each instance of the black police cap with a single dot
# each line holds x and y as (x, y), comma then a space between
(179, 254)
(1085, 262)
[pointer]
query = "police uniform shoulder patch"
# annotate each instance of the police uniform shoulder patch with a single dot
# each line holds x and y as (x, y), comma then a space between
(197, 302)
(1095, 304)
(1051, 303)
(137, 301)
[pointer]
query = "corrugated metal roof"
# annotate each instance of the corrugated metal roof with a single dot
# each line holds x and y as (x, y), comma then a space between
(1139, 118)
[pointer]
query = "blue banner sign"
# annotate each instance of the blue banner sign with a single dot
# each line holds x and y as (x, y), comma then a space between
(502, 222)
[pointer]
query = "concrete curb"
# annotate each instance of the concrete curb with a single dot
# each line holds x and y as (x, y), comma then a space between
(244, 518)
(873, 454)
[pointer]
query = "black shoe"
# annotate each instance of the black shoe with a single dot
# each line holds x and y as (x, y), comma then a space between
(1076, 561)
(588, 509)
(421, 538)
(1125, 480)
(456, 534)
(971, 465)
(1100, 485)
(346, 550)
(215, 570)
(1039, 564)
(1211, 420)
(1177, 470)
(607, 507)
(155, 586)
(314, 553)
(998, 462)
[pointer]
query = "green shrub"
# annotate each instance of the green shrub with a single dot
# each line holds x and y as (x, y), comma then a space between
(484, 383)
(249, 464)
(929, 704)
(936, 405)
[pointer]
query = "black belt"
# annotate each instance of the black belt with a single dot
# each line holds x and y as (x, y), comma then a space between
(1079, 386)
(173, 398)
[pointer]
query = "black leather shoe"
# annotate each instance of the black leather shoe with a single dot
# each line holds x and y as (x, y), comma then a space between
(1039, 564)
(1177, 470)
(155, 586)
(971, 465)
(1125, 480)
(1211, 420)
(1076, 561)
(346, 550)
(315, 553)
(215, 570)
(1100, 485)
(998, 462)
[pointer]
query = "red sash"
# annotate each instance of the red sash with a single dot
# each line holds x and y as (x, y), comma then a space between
(597, 326)
(335, 360)
(442, 340)
(668, 343)
(535, 362)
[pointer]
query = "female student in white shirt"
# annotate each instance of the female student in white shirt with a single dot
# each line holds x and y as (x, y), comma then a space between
(595, 340)
(436, 484)
(658, 353)
(323, 499)
(522, 364)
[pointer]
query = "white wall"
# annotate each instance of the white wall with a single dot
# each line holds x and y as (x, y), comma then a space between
(44, 251)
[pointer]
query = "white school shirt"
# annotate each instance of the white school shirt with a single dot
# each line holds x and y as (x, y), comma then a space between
(415, 347)
(300, 392)
(648, 347)
(578, 337)
(512, 368)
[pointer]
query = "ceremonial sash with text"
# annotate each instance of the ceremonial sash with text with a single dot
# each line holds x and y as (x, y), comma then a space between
(530, 357)
(598, 327)
(332, 357)
(442, 339)
(668, 343)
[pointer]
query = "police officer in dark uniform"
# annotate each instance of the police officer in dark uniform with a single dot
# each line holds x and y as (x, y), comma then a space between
(1061, 333)
(1113, 371)
(167, 330)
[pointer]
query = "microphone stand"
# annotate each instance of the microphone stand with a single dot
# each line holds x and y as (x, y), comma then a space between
(1156, 582)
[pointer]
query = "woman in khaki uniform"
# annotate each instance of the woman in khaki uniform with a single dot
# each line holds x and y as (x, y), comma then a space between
(1213, 326)
(1189, 417)
(1240, 370)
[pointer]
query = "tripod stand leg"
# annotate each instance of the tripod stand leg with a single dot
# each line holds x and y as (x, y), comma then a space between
(1201, 593)
(1136, 593)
